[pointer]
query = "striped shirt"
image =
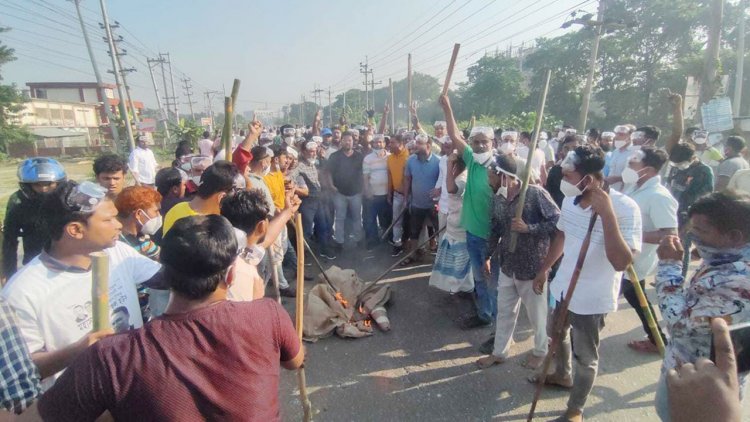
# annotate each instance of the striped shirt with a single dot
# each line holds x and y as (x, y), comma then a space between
(19, 380)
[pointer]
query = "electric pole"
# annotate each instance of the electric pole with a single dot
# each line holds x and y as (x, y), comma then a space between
(123, 72)
(740, 60)
(316, 95)
(188, 93)
(372, 88)
(330, 109)
(168, 99)
(99, 85)
(363, 68)
(116, 70)
(210, 107)
(709, 80)
(162, 114)
(174, 93)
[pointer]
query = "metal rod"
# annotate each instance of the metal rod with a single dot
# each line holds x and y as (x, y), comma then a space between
(393, 224)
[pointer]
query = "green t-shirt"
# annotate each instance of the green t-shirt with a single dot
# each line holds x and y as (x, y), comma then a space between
(475, 214)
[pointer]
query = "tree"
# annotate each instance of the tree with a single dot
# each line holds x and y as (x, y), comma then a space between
(11, 102)
(494, 88)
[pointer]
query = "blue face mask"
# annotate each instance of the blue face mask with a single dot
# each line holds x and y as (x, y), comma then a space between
(715, 256)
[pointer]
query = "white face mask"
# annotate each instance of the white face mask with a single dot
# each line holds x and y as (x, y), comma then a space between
(152, 225)
(266, 170)
(483, 157)
(620, 144)
(542, 143)
(700, 141)
(507, 148)
(682, 166)
(630, 176)
(568, 189)
(253, 255)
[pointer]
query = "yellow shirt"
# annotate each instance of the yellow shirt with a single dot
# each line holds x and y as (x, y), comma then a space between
(275, 183)
(177, 212)
(396, 165)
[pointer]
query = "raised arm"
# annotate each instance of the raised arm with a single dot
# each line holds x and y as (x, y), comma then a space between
(677, 121)
(316, 123)
(384, 120)
(254, 129)
(459, 144)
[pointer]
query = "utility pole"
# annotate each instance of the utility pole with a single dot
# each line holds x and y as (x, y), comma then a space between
(162, 114)
(393, 109)
(363, 68)
(330, 109)
(709, 80)
(99, 85)
(210, 107)
(372, 88)
(174, 93)
(123, 72)
(116, 70)
(167, 98)
(316, 95)
(188, 93)
(301, 104)
(740, 60)
(592, 68)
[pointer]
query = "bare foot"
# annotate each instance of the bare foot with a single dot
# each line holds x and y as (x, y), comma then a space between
(533, 362)
(564, 382)
(643, 346)
(487, 361)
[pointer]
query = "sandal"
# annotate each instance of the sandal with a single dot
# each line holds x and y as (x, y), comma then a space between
(643, 346)
(532, 362)
(488, 361)
(551, 380)
(408, 261)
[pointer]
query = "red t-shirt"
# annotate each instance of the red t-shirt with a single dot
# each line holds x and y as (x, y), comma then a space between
(241, 158)
(219, 362)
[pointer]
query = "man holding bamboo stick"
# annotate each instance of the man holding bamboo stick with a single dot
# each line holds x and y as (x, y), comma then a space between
(205, 359)
(475, 213)
(614, 239)
(52, 294)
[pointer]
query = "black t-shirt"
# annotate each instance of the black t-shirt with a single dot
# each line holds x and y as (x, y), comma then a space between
(346, 172)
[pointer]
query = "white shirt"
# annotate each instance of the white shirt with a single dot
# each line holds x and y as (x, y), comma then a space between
(206, 147)
(143, 165)
(658, 211)
(455, 204)
(444, 195)
(376, 166)
(330, 150)
(537, 161)
(599, 283)
(618, 163)
(54, 308)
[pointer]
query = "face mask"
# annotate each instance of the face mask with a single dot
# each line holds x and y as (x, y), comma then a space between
(507, 148)
(266, 170)
(196, 180)
(542, 143)
(682, 166)
(715, 256)
(377, 150)
(289, 140)
(620, 144)
(630, 176)
(482, 158)
(560, 135)
(568, 189)
(152, 225)
(700, 141)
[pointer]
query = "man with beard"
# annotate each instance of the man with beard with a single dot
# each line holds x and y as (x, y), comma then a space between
(344, 177)
(375, 207)
(421, 174)
(396, 163)
(37, 177)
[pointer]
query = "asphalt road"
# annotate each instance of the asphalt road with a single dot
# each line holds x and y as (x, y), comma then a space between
(423, 369)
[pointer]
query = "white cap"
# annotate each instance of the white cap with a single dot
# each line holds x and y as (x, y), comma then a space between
(621, 129)
(293, 152)
(608, 134)
(509, 133)
(378, 137)
(440, 123)
(318, 139)
(483, 130)
(311, 145)
(542, 135)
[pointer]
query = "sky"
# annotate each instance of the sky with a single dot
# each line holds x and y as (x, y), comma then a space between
(279, 49)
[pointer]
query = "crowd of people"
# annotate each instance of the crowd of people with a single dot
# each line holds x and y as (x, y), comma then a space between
(193, 246)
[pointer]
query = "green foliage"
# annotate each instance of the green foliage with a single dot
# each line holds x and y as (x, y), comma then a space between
(187, 130)
(494, 87)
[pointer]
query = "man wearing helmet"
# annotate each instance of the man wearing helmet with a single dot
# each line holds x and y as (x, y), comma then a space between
(36, 177)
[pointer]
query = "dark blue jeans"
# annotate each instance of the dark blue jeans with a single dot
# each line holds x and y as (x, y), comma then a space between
(314, 217)
(485, 289)
(376, 210)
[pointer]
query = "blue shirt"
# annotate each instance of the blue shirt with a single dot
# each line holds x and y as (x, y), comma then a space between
(424, 174)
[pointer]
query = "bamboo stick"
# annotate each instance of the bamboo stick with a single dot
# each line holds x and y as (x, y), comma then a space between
(299, 314)
(393, 224)
(408, 91)
(643, 302)
(452, 65)
(562, 316)
(100, 290)
(532, 149)
(226, 134)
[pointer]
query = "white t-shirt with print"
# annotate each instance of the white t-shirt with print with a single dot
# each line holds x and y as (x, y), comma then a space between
(54, 308)
(599, 283)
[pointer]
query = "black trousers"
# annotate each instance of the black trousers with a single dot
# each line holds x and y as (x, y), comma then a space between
(627, 290)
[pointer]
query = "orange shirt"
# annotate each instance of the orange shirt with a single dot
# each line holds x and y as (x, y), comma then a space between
(396, 165)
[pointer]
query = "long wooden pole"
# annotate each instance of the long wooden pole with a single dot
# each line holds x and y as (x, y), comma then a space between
(393, 110)
(452, 65)
(100, 290)
(643, 302)
(561, 316)
(299, 314)
(529, 160)
(408, 91)
(393, 224)
(274, 274)
(226, 134)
